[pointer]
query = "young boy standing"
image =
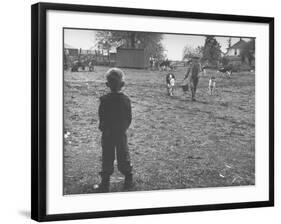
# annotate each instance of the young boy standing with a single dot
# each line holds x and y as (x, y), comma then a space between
(115, 116)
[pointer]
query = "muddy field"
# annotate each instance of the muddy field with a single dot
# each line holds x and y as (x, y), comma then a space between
(174, 142)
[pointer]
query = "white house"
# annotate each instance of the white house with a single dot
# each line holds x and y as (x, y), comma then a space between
(235, 49)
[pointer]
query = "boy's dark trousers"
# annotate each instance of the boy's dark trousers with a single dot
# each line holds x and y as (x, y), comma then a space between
(115, 142)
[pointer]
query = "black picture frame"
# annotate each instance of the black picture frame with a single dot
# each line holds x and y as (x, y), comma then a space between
(39, 110)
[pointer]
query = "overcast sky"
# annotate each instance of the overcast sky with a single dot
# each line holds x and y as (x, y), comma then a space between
(173, 43)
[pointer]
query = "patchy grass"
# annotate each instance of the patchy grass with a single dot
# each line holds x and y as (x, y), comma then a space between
(174, 142)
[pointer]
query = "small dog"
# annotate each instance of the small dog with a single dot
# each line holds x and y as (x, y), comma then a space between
(170, 83)
(212, 85)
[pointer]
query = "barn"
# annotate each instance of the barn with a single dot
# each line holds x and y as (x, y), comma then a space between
(132, 58)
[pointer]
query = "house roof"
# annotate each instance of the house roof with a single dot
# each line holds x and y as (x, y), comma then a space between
(240, 44)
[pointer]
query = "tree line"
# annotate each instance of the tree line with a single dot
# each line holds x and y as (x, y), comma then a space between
(209, 53)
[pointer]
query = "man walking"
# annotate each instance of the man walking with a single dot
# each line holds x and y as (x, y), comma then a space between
(192, 75)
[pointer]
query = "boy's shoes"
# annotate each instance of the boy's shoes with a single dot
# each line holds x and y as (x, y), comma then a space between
(128, 183)
(103, 187)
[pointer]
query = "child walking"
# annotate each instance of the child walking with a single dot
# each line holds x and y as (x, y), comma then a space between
(115, 116)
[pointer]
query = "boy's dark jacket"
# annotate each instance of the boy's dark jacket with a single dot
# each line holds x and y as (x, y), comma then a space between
(115, 113)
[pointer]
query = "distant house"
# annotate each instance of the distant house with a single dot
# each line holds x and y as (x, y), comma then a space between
(132, 58)
(234, 56)
(235, 49)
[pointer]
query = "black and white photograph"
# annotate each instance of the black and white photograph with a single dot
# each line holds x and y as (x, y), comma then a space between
(143, 111)
(140, 111)
(146, 111)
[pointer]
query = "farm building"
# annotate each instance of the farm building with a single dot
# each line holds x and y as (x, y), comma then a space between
(235, 49)
(234, 54)
(132, 58)
(69, 50)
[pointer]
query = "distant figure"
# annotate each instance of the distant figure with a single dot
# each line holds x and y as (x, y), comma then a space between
(115, 116)
(91, 66)
(164, 65)
(204, 72)
(192, 76)
(212, 85)
(156, 64)
(170, 83)
(151, 62)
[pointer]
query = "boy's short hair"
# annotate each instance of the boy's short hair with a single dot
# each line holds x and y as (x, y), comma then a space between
(115, 76)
